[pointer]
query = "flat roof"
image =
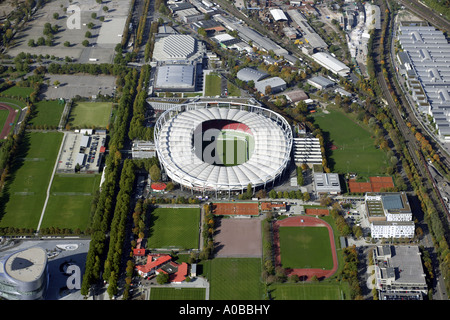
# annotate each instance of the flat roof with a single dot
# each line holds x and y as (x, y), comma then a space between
(26, 265)
(175, 76)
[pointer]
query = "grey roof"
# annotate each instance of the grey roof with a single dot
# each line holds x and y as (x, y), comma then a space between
(322, 81)
(247, 74)
(392, 202)
(327, 182)
(276, 83)
(175, 76)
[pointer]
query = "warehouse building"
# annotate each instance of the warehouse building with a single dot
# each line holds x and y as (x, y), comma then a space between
(175, 78)
(250, 74)
(427, 68)
(320, 82)
(331, 63)
(276, 85)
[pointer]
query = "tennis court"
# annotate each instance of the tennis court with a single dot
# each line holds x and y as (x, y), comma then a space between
(235, 208)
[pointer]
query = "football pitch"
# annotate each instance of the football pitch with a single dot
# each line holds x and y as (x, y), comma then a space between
(309, 291)
(31, 175)
(355, 151)
(90, 114)
(70, 201)
(177, 293)
(305, 247)
(174, 228)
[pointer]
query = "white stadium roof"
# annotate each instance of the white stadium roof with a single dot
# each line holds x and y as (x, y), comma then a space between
(174, 135)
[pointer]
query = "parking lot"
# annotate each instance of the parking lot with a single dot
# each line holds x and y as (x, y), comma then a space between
(77, 85)
(72, 28)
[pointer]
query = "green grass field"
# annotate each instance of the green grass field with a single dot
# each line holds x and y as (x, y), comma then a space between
(177, 294)
(70, 201)
(3, 116)
(305, 247)
(234, 278)
(16, 91)
(356, 151)
(47, 113)
(90, 114)
(309, 291)
(213, 85)
(174, 227)
(27, 190)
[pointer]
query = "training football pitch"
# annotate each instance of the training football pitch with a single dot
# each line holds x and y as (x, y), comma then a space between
(309, 291)
(305, 247)
(32, 172)
(355, 151)
(90, 114)
(177, 293)
(70, 200)
(174, 228)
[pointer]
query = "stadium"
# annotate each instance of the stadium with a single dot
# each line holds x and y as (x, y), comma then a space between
(222, 147)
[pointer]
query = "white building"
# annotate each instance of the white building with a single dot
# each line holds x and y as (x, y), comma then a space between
(331, 63)
(390, 215)
(307, 151)
(388, 229)
(327, 183)
(143, 149)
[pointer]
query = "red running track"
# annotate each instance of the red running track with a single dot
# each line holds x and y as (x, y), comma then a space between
(10, 119)
(305, 274)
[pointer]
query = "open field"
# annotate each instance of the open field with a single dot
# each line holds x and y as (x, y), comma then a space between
(305, 247)
(174, 227)
(70, 201)
(212, 85)
(177, 294)
(234, 278)
(355, 147)
(16, 91)
(31, 175)
(47, 113)
(309, 291)
(90, 114)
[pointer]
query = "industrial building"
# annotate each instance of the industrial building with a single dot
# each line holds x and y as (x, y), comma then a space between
(399, 273)
(427, 71)
(276, 85)
(175, 77)
(320, 82)
(327, 183)
(250, 74)
(311, 37)
(24, 274)
(331, 63)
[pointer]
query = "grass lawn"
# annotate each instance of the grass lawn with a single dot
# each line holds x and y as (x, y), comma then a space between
(33, 169)
(3, 116)
(90, 114)
(177, 294)
(174, 227)
(305, 247)
(47, 113)
(309, 291)
(70, 200)
(234, 278)
(16, 91)
(213, 84)
(355, 147)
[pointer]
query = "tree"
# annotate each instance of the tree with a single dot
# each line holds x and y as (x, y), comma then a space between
(66, 44)
(94, 15)
(155, 173)
(31, 43)
(56, 16)
(85, 43)
(105, 8)
(88, 34)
